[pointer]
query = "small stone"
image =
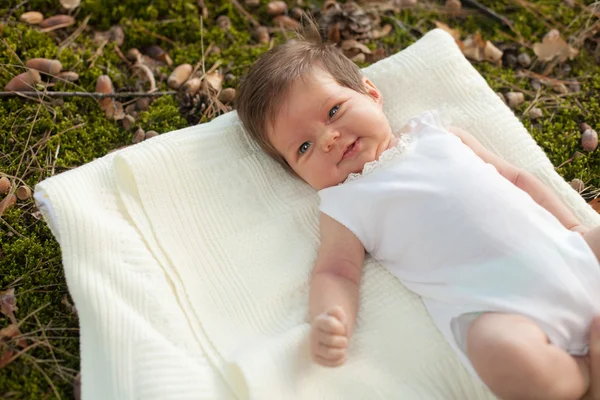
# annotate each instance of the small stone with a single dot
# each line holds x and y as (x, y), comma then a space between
(150, 134)
(589, 140)
(535, 113)
(252, 3)
(509, 60)
(229, 77)
(23, 193)
(4, 185)
(524, 60)
(224, 22)
(514, 99)
(535, 84)
(276, 8)
(128, 122)
(192, 85)
(577, 184)
(138, 136)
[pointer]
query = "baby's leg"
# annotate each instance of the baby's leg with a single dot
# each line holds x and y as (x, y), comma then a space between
(513, 357)
(592, 237)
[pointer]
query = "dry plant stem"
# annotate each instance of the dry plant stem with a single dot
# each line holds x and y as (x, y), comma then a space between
(97, 54)
(494, 15)
(45, 337)
(156, 35)
(75, 34)
(32, 360)
(28, 137)
(245, 13)
(88, 94)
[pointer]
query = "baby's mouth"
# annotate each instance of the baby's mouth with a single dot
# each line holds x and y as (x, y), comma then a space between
(350, 150)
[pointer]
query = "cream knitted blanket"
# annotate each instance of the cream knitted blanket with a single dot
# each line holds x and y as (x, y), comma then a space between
(188, 257)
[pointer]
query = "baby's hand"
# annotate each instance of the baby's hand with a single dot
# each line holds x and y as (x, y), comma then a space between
(329, 338)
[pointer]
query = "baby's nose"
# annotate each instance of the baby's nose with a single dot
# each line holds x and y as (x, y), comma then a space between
(328, 141)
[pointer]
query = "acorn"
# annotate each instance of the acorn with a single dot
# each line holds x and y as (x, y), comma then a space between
(227, 95)
(32, 17)
(133, 54)
(297, 13)
(276, 8)
(23, 193)
(142, 103)
(68, 76)
(7, 202)
(138, 136)
(4, 185)
(150, 135)
(514, 99)
(453, 6)
(104, 85)
(577, 184)
(70, 4)
(286, 22)
(192, 85)
(52, 67)
(262, 34)
(179, 75)
(589, 140)
(157, 53)
(24, 82)
(128, 122)
(584, 127)
(56, 22)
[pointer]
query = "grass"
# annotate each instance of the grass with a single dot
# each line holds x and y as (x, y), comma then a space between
(38, 139)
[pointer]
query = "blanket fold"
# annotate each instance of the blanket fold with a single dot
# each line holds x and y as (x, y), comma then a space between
(189, 255)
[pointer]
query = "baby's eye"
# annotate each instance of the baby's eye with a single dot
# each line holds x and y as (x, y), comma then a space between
(333, 111)
(304, 147)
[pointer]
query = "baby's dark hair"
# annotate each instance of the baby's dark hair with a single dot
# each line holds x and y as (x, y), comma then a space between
(263, 89)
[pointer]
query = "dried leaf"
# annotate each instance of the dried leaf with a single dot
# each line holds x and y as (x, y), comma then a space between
(215, 80)
(453, 32)
(10, 331)
(554, 46)
(473, 47)
(8, 302)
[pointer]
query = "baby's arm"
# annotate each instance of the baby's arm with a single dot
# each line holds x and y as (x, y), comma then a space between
(334, 287)
(524, 180)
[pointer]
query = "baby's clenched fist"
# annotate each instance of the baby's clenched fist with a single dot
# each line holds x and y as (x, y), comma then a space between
(329, 338)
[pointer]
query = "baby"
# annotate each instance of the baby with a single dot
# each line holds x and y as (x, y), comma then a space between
(507, 273)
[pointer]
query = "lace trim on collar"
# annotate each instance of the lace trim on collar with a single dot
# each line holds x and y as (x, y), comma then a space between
(384, 158)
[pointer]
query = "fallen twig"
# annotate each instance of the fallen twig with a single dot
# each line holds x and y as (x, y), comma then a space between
(89, 94)
(245, 13)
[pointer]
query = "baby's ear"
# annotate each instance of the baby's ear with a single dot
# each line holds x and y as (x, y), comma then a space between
(373, 91)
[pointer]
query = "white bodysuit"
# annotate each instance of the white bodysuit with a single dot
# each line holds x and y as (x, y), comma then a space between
(467, 240)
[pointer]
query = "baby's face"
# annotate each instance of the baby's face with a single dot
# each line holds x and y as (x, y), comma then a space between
(326, 131)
